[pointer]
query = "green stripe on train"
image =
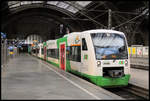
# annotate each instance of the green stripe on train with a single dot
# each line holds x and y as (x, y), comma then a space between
(99, 80)
(53, 63)
(103, 81)
(60, 40)
(44, 44)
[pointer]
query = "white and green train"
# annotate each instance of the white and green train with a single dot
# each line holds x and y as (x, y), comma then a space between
(99, 55)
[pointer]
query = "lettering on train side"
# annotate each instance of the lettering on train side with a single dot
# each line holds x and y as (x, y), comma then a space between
(106, 63)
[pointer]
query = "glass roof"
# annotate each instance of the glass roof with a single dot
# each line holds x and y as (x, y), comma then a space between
(79, 5)
(83, 3)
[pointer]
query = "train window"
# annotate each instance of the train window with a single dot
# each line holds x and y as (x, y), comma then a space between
(48, 53)
(68, 52)
(57, 53)
(78, 58)
(34, 51)
(84, 45)
(112, 46)
(37, 51)
(74, 53)
(42, 51)
(53, 53)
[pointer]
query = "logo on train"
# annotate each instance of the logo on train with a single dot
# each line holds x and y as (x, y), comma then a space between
(77, 40)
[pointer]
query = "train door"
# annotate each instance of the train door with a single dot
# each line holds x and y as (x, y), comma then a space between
(84, 55)
(45, 52)
(62, 56)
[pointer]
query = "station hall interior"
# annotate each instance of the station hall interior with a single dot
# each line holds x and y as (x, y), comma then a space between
(38, 39)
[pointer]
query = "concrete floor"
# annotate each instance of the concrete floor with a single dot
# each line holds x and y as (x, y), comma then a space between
(140, 78)
(26, 77)
(139, 61)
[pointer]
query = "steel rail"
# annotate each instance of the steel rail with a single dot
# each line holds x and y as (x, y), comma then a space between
(140, 67)
(139, 91)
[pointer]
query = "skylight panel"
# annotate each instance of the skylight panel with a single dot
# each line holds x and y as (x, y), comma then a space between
(63, 5)
(12, 2)
(72, 9)
(83, 3)
(52, 2)
(25, 2)
(37, 1)
(15, 5)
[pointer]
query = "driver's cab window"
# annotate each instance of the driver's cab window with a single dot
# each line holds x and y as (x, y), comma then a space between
(84, 45)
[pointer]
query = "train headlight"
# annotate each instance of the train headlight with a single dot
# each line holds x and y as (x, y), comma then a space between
(126, 62)
(98, 63)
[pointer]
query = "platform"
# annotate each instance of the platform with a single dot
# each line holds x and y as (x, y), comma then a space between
(27, 77)
(139, 78)
(139, 61)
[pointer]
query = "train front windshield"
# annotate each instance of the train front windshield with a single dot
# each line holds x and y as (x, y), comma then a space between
(109, 46)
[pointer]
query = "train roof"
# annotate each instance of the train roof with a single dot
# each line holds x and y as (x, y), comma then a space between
(103, 30)
(40, 44)
(94, 31)
(50, 40)
(72, 33)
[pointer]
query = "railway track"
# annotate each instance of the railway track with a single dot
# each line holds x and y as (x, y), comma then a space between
(140, 67)
(131, 92)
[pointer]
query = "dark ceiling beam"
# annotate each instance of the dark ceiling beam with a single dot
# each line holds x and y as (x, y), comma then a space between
(129, 20)
(25, 7)
(36, 5)
(15, 17)
(98, 23)
(32, 6)
(75, 19)
(37, 19)
(31, 13)
(100, 15)
(86, 9)
(100, 3)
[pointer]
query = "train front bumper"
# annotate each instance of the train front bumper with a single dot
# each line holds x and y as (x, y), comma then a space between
(104, 82)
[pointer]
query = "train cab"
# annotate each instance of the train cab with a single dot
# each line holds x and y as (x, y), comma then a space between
(105, 54)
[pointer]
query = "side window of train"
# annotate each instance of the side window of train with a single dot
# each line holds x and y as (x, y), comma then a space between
(53, 53)
(67, 52)
(78, 58)
(37, 51)
(42, 51)
(84, 45)
(74, 53)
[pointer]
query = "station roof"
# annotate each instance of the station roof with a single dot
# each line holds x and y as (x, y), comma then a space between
(77, 15)
(60, 4)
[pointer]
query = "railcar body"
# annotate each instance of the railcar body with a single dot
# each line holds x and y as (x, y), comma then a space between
(99, 55)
